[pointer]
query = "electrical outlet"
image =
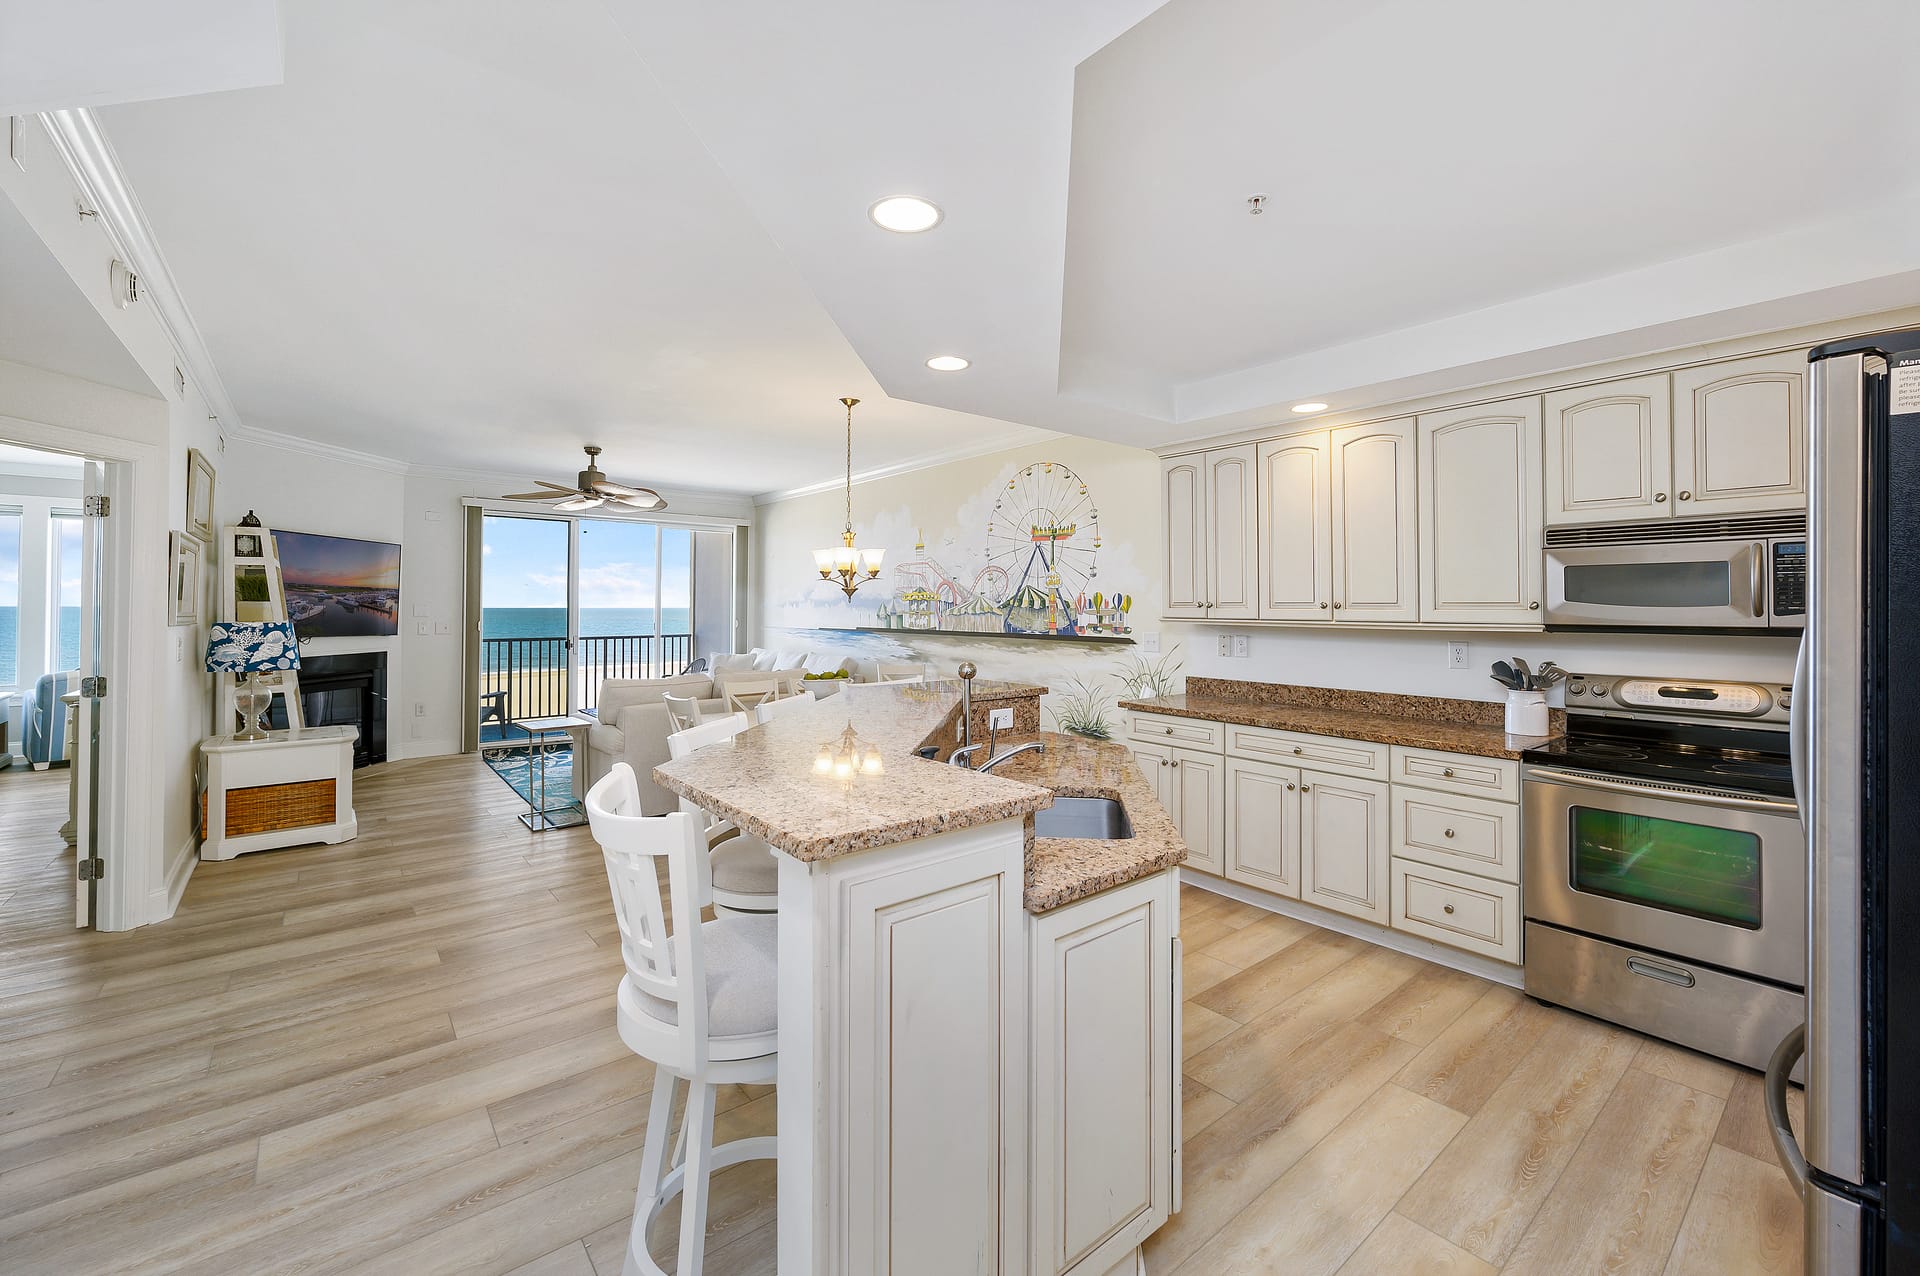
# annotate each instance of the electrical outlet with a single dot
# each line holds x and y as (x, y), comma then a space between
(1000, 720)
(179, 649)
(1149, 643)
(1226, 644)
(443, 626)
(1242, 644)
(1456, 655)
(419, 708)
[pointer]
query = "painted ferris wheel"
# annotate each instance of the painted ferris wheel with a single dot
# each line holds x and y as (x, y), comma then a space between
(1043, 540)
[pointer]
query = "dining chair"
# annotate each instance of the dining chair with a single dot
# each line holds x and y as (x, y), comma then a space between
(745, 693)
(767, 710)
(745, 875)
(894, 671)
(682, 711)
(699, 1000)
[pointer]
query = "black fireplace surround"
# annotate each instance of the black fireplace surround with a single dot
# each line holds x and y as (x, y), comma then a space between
(345, 691)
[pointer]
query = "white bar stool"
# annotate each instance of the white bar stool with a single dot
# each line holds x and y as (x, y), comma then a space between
(699, 999)
(746, 876)
(895, 671)
(767, 710)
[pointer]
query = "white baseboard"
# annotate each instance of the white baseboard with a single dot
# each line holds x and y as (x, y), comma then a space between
(163, 900)
(424, 749)
(1412, 945)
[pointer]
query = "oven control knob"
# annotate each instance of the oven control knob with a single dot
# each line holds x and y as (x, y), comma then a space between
(1599, 688)
(1576, 688)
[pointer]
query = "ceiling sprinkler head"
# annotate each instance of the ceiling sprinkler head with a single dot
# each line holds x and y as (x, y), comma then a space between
(1256, 204)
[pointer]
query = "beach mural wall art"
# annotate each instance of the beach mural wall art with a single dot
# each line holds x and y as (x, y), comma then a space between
(1039, 563)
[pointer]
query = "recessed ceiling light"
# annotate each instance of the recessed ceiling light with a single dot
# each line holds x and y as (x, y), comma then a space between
(946, 363)
(1309, 407)
(907, 214)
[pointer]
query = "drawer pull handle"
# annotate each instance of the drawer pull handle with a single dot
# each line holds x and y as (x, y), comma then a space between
(1297, 750)
(1666, 974)
(1447, 771)
(1447, 909)
(1449, 832)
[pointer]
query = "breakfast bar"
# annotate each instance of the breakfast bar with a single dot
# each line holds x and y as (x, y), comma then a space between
(978, 1064)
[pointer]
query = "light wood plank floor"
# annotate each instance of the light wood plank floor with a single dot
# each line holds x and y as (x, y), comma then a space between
(398, 1055)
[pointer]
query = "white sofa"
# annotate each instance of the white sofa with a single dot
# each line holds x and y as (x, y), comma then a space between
(633, 726)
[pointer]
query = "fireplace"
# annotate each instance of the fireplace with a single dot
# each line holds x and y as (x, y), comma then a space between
(345, 691)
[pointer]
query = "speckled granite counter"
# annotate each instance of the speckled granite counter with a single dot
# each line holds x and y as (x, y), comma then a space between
(1420, 722)
(769, 781)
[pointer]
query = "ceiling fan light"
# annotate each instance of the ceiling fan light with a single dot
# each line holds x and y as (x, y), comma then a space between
(581, 503)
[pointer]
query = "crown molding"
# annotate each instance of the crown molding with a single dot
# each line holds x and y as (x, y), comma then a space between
(315, 447)
(103, 184)
(987, 447)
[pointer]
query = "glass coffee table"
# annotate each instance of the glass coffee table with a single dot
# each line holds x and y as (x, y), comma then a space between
(543, 813)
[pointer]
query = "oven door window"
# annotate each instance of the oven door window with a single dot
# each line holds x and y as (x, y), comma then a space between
(1696, 870)
(1650, 585)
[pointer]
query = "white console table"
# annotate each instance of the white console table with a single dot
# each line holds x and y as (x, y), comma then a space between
(292, 788)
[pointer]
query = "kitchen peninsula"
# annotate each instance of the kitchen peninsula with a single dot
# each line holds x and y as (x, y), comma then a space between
(978, 1025)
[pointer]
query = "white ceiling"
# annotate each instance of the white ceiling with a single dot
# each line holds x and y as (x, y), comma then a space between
(46, 322)
(471, 233)
(91, 52)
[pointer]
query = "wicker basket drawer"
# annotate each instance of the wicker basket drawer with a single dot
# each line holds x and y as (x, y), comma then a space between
(267, 808)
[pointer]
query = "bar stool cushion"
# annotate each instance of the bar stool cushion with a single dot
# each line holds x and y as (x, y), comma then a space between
(744, 865)
(742, 989)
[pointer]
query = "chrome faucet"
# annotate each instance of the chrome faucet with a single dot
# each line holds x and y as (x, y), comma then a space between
(1031, 746)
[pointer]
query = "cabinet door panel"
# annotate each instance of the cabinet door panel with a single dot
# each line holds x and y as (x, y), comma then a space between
(1234, 534)
(1183, 493)
(1481, 536)
(1156, 764)
(1198, 801)
(1740, 436)
(1375, 532)
(1296, 528)
(1609, 451)
(1344, 845)
(1263, 826)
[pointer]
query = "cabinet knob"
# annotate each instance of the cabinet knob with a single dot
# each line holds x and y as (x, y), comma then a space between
(1533, 606)
(1446, 770)
(1449, 832)
(1686, 496)
(1337, 606)
(1296, 750)
(1169, 730)
(1289, 788)
(1659, 498)
(1175, 762)
(1163, 761)
(1446, 908)
(1323, 606)
(1306, 788)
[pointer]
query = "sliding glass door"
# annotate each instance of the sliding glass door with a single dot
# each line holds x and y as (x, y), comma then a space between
(635, 602)
(526, 635)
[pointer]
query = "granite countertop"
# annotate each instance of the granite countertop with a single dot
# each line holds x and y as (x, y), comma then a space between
(1420, 722)
(767, 782)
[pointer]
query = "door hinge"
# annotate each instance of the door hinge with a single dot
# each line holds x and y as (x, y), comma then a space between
(97, 506)
(94, 687)
(93, 869)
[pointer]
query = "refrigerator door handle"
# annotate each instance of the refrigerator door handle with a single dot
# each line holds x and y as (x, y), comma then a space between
(1785, 1146)
(1797, 716)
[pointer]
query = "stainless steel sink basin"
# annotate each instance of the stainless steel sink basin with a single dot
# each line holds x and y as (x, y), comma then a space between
(1101, 818)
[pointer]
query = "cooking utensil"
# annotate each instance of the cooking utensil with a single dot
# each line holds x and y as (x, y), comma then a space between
(1503, 673)
(1526, 674)
(1548, 674)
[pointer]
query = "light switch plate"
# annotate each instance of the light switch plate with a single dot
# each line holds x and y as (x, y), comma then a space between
(1226, 644)
(1148, 642)
(423, 627)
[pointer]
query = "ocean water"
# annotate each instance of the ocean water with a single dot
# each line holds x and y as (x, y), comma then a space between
(595, 622)
(10, 637)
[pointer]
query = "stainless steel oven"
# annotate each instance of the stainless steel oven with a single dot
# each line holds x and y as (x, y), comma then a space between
(1733, 573)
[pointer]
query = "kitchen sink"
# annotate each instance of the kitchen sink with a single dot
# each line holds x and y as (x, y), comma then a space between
(1101, 818)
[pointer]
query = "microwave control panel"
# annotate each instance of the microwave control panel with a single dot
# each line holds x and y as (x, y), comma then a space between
(1789, 578)
(1668, 697)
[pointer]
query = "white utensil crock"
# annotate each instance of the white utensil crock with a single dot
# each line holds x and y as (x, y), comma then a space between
(1526, 713)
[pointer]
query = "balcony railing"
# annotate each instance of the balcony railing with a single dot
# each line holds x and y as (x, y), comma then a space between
(527, 677)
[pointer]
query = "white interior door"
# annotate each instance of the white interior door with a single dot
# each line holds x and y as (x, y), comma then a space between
(89, 719)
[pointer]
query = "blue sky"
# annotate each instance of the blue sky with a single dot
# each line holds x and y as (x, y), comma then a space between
(524, 563)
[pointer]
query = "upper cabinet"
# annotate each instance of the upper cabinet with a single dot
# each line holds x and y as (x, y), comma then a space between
(1212, 525)
(1740, 436)
(1480, 523)
(1609, 451)
(1724, 438)
(1376, 539)
(1296, 528)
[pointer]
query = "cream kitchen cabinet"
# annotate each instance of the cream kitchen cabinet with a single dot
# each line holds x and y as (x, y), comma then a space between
(1211, 500)
(1344, 845)
(1339, 537)
(1480, 514)
(1181, 759)
(1103, 1144)
(1262, 846)
(1740, 436)
(1609, 451)
(1156, 763)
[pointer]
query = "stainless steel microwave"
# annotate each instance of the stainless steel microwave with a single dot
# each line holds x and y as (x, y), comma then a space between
(1724, 574)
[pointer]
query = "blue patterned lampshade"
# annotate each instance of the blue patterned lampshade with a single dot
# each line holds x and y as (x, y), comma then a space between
(240, 647)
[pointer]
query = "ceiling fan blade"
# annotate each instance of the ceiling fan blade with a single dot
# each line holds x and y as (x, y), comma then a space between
(581, 503)
(556, 486)
(528, 496)
(616, 489)
(642, 499)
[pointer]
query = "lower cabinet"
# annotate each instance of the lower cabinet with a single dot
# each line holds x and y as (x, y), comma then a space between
(1344, 845)
(1104, 1088)
(1263, 826)
(1191, 786)
(1461, 909)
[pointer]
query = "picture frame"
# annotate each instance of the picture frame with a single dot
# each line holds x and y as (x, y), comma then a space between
(200, 481)
(184, 579)
(248, 545)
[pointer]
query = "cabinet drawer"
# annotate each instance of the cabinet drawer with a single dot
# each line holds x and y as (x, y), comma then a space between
(1472, 835)
(1457, 772)
(1322, 752)
(1188, 733)
(1457, 909)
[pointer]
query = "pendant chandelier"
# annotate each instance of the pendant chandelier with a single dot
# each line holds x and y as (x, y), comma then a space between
(844, 561)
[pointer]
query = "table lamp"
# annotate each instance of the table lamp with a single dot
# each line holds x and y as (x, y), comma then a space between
(249, 649)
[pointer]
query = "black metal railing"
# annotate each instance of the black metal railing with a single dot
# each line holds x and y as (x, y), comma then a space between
(527, 677)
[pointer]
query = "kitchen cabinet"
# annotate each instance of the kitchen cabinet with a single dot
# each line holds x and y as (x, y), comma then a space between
(1376, 538)
(1457, 909)
(1344, 845)
(1212, 531)
(1156, 764)
(1198, 806)
(1480, 514)
(1103, 1022)
(1262, 846)
(1740, 436)
(1609, 451)
(1296, 527)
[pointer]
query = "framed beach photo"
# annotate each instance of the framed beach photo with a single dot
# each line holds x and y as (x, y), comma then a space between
(199, 496)
(183, 579)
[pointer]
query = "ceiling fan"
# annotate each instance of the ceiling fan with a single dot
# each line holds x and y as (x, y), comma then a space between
(593, 489)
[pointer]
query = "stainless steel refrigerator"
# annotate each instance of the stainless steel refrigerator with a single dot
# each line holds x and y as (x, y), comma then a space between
(1856, 754)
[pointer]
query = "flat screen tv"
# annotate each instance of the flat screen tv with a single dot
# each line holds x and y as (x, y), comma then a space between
(338, 587)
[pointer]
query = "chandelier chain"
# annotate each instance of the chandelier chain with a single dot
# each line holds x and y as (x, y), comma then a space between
(849, 403)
